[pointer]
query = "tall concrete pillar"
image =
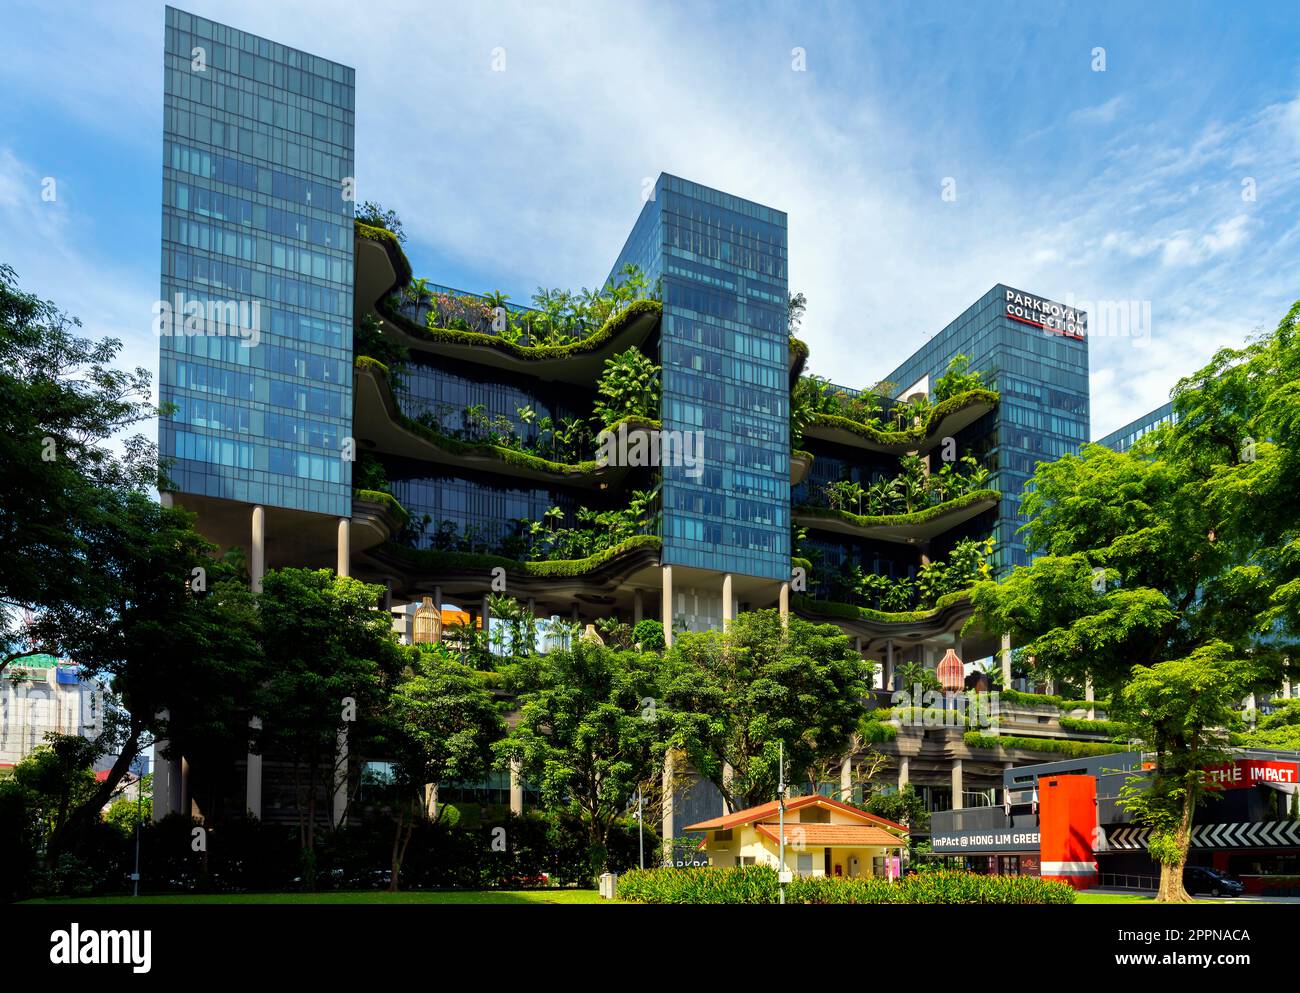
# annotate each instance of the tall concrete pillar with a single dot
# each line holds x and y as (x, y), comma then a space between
(666, 831)
(889, 663)
(257, 560)
(638, 607)
(1089, 695)
(667, 607)
(183, 768)
(1006, 661)
(727, 608)
(516, 786)
(904, 770)
(958, 792)
(345, 547)
(166, 779)
(784, 601)
(253, 794)
(485, 612)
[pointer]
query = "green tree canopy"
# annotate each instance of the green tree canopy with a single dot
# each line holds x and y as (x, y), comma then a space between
(588, 732)
(734, 697)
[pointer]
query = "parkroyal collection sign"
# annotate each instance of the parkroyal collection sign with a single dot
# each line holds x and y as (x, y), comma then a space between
(1245, 773)
(1046, 315)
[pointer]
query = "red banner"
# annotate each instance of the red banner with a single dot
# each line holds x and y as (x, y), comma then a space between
(1245, 773)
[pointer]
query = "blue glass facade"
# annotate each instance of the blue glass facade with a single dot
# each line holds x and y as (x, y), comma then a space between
(721, 265)
(1122, 439)
(257, 143)
(1042, 376)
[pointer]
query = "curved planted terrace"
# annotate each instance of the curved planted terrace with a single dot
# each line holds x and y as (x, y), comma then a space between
(382, 267)
(383, 428)
(949, 613)
(944, 421)
(920, 526)
(416, 570)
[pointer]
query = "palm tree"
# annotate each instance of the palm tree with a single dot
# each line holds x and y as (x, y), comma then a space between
(552, 516)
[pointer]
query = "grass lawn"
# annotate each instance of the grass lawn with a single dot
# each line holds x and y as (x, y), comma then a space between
(1086, 897)
(363, 896)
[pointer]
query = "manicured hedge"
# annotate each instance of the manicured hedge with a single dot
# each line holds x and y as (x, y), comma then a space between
(389, 240)
(610, 330)
(917, 517)
(910, 436)
(1046, 700)
(1112, 729)
(1060, 746)
(387, 500)
(758, 884)
(435, 561)
(852, 612)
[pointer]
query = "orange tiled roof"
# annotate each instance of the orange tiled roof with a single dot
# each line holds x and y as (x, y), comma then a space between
(832, 835)
(769, 812)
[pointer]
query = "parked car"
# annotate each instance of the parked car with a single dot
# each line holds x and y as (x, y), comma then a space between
(1200, 879)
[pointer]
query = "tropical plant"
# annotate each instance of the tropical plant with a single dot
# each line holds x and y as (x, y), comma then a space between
(957, 379)
(629, 387)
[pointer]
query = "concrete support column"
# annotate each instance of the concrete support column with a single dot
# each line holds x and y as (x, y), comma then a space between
(257, 560)
(341, 778)
(958, 799)
(345, 547)
(784, 601)
(183, 768)
(253, 794)
(666, 829)
(516, 786)
(1006, 661)
(485, 612)
(1090, 695)
(889, 663)
(1006, 790)
(165, 500)
(638, 607)
(728, 610)
(904, 770)
(667, 608)
(166, 779)
(846, 779)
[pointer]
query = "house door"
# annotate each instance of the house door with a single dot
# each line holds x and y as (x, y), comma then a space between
(826, 861)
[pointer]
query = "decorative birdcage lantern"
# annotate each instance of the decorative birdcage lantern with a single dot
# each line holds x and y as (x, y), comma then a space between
(951, 673)
(428, 623)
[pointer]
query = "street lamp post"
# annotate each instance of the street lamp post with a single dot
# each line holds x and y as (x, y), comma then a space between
(780, 799)
(139, 808)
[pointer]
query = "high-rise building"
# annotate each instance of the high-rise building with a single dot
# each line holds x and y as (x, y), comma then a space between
(334, 408)
(1034, 353)
(257, 273)
(1123, 438)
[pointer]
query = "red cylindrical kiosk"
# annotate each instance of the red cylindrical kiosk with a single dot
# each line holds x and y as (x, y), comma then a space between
(1067, 825)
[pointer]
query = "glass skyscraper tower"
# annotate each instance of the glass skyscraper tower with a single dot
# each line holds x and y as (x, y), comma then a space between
(258, 254)
(724, 346)
(1041, 373)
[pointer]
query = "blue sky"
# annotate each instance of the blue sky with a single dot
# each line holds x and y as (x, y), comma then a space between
(1076, 184)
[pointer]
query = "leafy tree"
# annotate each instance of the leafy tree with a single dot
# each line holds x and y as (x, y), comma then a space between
(60, 400)
(902, 806)
(911, 674)
(333, 654)
(1179, 709)
(649, 634)
(368, 338)
(376, 216)
(797, 306)
(628, 387)
(587, 733)
(170, 630)
(957, 379)
(439, 726)
(733, 697)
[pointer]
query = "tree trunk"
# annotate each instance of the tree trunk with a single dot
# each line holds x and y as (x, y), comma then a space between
(87, 811)
(1171, 874)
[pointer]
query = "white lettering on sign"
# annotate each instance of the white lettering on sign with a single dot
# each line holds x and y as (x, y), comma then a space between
(994, 839)
(1245, 773)
(1049, 315)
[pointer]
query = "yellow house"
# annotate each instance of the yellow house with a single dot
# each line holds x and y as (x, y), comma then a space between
(823, 837)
